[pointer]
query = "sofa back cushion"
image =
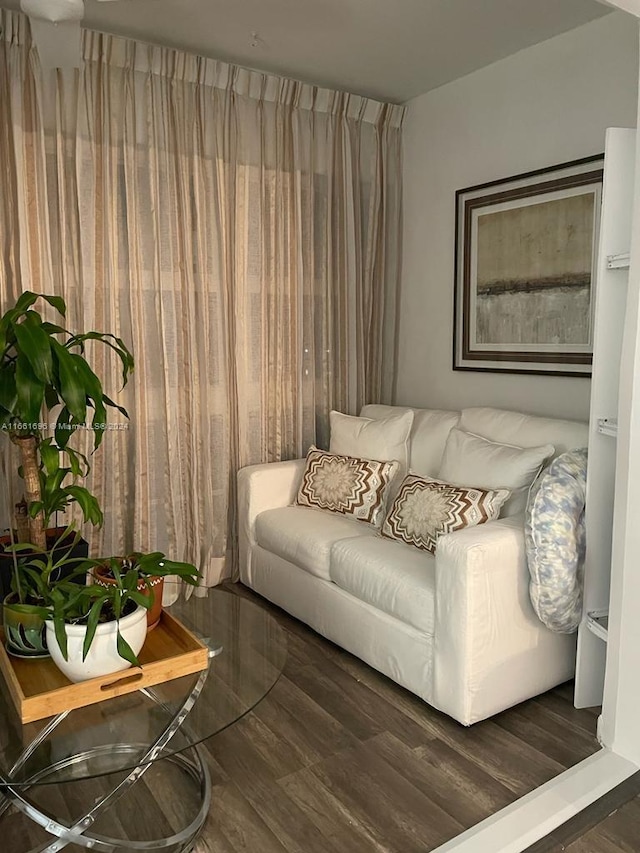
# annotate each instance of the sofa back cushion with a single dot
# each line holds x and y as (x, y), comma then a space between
(428, 435)
(384, 439)
(524, 430)
(470, 460)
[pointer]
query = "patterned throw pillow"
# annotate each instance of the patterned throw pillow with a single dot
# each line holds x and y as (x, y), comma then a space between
(345, 484)
(425, 508)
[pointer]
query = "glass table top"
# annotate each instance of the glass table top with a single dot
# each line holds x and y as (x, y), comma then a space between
(115, 735)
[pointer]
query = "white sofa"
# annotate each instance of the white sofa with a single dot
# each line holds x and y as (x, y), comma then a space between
(457, 628)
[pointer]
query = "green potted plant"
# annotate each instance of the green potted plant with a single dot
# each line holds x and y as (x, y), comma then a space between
(98, 629)
(43, 366)
(152, 569)
(43, 369)
(26, 606)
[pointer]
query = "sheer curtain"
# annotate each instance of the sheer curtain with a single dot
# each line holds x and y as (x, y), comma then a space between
(240, 231)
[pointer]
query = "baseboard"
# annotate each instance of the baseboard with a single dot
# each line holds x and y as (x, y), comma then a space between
(532, 818)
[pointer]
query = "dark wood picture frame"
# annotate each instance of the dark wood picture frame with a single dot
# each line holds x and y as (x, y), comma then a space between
(525, 259)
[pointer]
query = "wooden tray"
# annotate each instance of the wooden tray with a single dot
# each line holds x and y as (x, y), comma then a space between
(40, 690)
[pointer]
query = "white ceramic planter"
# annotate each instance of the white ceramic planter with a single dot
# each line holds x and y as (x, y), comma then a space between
(103, 657)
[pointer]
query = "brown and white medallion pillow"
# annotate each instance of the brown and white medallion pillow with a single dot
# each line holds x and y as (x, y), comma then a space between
(346, 485)
(425, 508)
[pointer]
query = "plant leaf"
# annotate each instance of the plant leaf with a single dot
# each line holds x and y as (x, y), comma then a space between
(53, 329)
(51, 483)
(130, 581)
(8, 390)
(50, 456)
(18, 547)
(37, 581)
(58, 303)
(61, 634)
(88, 504)
(92, 624)
(25, 300)
(30, 394)
(119, 347)
(125, 651)
(51, 397)
(77, 460)
(34, 508)
(121, 409)
(141, 599)
(63, 428)
(72, 386)
(117, 603)
(115, 568)
(35, 345)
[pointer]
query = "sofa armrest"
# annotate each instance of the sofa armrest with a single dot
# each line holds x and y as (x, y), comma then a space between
(487, 636)
(262, 487)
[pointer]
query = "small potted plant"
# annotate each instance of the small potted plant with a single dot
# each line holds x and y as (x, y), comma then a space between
(97, 629)
(43, 369)
(152, 570)
(25, 607)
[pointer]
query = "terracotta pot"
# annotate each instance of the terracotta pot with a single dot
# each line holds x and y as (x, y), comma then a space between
(101, 576)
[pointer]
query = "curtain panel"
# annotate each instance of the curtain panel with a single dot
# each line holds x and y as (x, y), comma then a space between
(240, 231)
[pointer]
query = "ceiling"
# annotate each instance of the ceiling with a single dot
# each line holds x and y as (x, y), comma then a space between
(386, 49)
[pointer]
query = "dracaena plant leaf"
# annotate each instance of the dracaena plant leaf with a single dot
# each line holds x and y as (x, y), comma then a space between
(87, 502)
(116, 344)
(35, 345)
(72, 389)
(30, 393)
(50, 456)
(8, 389)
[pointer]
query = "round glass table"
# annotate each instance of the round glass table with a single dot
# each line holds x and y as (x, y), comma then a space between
(105, 750)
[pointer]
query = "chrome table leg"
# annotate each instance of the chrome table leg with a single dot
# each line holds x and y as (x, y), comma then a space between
(77, 833)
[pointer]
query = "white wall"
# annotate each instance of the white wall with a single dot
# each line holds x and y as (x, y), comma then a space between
(545, 105)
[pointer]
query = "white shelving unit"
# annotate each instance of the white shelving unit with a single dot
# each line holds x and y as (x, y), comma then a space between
(598, 623)
(607, 426)
(618, 262)
(612, 274)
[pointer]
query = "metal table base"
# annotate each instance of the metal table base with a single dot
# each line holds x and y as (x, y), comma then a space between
(80, 833)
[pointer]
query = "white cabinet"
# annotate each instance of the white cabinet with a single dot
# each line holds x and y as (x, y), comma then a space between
(612, 276)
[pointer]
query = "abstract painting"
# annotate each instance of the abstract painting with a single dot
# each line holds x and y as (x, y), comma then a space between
(525, 252)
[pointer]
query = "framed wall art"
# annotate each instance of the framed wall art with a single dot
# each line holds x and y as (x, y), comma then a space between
(525, 264)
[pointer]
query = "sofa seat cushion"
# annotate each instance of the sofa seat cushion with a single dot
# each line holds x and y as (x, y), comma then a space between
(390, 576)
(304, 536)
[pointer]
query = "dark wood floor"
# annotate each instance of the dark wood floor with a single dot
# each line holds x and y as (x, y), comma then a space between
(619, 833)
(339, 759)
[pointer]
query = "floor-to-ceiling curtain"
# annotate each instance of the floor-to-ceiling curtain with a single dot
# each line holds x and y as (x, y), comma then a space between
(240, 231)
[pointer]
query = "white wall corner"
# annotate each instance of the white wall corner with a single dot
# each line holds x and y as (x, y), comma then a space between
(631, 6)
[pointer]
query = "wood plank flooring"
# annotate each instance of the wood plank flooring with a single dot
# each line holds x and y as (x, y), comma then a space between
(618, 833)
(610, 824)
(339, 759)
